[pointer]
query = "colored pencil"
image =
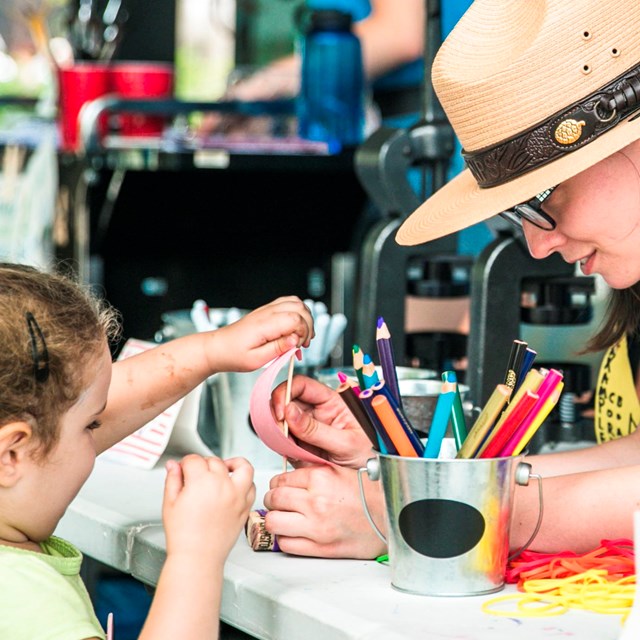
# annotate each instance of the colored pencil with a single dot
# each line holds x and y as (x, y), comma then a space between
(527, 363)
(392, 426)
(356, 407)
(386, 444)
(532, 382)
(518, 347)
(487, 418)
(343, 377)
(387, 359)
(539, 418)
(414, 438)
(505, 428)
(369, 373)
(358, 356)
(545, 390)
(440, 420)
(457, 413)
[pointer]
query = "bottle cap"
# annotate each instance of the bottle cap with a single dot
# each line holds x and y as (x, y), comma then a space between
(322, 19)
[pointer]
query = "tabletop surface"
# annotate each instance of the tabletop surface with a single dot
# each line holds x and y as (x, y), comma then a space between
(275, 595)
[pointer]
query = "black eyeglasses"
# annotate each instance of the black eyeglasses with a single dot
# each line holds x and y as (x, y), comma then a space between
(532, 212)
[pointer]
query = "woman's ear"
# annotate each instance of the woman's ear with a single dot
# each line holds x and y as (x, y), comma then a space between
(15, 442)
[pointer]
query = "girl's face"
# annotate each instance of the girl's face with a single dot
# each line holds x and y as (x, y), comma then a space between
(49, 485)
(597, 216)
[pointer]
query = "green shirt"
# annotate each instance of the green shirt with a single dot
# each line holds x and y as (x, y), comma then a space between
(42, 596)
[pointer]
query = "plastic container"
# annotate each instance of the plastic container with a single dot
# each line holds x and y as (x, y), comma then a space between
(330, 106)
(79, 84)
(141, 80)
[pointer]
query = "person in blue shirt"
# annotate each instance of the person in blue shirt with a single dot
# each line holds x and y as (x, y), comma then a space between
(392, 38)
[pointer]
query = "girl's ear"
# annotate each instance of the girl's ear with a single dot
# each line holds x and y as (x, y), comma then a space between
(15, 442)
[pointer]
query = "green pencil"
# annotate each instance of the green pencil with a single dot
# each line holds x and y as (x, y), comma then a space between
(358, 363)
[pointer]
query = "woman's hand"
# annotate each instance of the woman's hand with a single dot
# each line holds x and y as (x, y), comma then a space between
(321, 422)
(317, 511)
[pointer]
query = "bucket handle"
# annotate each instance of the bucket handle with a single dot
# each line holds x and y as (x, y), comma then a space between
(372, 469)
(522, 476)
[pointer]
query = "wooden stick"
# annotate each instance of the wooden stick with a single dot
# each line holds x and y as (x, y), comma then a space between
(287, 400)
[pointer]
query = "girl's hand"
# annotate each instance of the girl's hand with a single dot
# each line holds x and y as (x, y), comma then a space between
(261, 336)
(206, 504)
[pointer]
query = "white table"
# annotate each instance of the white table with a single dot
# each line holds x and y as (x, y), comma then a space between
(116, 520)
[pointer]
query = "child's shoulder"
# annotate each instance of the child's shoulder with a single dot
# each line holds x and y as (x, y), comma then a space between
(40, 593)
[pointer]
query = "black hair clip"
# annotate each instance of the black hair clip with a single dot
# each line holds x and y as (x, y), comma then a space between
(38, 349)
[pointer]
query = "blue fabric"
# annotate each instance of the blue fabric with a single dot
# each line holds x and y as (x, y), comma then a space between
(129, 602)
(450, 12)
(472, 240)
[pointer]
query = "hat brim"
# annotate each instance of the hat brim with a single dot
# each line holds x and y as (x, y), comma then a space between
(461, 202)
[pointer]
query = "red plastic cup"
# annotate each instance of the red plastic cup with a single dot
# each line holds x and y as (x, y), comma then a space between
(141, 80)
(77, 85)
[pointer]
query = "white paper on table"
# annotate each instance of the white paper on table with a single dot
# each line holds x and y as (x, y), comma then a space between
(144, 447)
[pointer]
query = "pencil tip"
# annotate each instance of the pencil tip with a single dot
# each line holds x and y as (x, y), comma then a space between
(449, 376)
(380, 321)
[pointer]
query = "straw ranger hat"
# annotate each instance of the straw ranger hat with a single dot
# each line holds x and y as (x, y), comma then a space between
(536, 91)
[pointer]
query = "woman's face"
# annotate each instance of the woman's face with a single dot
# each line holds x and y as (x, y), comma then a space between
(597, 216)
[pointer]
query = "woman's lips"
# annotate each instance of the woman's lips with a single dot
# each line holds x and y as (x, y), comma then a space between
(586, 264)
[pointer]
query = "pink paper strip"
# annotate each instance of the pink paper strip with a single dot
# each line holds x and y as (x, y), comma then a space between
(267, 428)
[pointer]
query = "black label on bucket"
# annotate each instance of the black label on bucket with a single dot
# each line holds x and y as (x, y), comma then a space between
(441, 528)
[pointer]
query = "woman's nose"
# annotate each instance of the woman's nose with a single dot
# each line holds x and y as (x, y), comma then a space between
(541, 243)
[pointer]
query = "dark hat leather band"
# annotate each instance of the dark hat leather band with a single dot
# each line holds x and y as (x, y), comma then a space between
(562, 133)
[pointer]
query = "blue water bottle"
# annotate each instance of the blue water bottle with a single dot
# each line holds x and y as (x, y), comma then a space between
(330, 106)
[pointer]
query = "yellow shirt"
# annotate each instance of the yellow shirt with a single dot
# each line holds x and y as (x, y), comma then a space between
(617, 408)
(42, 596)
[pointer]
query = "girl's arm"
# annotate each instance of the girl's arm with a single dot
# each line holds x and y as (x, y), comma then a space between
(144, 385)
(206, 504)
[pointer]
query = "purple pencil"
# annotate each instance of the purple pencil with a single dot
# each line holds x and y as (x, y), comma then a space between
(387, 360)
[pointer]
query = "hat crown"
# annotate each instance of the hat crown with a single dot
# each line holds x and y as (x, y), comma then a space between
(511, 64)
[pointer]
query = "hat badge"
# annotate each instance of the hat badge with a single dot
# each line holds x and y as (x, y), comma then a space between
(569, 131)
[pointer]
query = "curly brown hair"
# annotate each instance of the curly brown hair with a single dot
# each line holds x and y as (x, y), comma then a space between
(75, 324)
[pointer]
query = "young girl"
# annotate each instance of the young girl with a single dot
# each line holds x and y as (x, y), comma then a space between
(64, 402)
